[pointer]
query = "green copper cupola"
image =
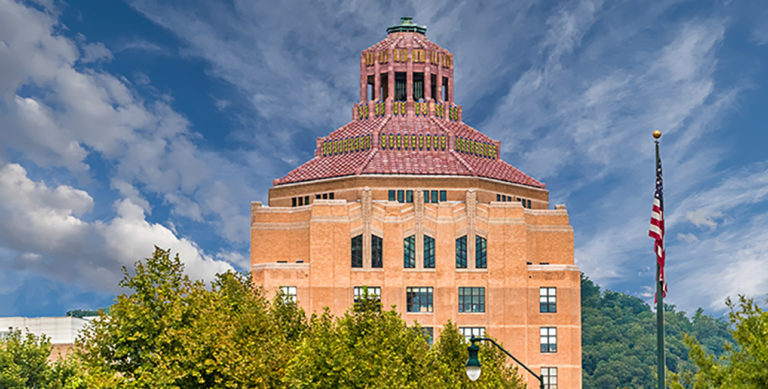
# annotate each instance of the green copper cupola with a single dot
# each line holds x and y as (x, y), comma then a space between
(406, 25)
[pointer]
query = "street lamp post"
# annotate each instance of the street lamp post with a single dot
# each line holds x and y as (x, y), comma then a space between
(473, 362)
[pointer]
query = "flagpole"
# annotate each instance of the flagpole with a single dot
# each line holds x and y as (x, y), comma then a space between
(661, 365)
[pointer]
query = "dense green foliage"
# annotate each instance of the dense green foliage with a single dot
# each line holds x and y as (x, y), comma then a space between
(172, 332)
(744, 366)
(619, 339)
(23, 364)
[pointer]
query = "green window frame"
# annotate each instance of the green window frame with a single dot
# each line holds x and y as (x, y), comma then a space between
(429, 252)
(481, 252)
(409, 252)
(461, 252)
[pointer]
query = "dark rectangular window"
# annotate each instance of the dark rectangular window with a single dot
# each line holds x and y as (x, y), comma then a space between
(529, 204)
(429, 252)
(409, 252)
(434, 196)
(445, 88)
(330, 195)
(400, 79)
(357, 251)
(391, 195)
(549, 376)
(418, 299)
(293, 202)
(376, 248)
(409, 196)
(401, 196)
(428, 333)
(443, 195)
(370, 90)
(472, 299)
(426, 196)
(547, 300)
(317, 196)
(301, 201)
(306, 200)
(433, 86)
(418, 86)
(481, 252)
(359, 292)
(325, 196)
(548, 337)
(461, 252)
(384, 86)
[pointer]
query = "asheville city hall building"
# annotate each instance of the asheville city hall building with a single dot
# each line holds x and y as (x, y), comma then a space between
(414, 204)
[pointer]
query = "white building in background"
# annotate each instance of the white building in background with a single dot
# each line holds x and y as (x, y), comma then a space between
(61, 331)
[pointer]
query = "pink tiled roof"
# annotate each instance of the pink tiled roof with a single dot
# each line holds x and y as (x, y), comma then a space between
(376, 160)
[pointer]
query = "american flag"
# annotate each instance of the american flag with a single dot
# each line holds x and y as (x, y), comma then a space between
(657, 223)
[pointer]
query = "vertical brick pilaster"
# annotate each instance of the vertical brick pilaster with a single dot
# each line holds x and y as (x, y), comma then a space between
(418, 205)
(363, 79)
(471, 209)
(376, 80)
(367, 213)
(427, 79)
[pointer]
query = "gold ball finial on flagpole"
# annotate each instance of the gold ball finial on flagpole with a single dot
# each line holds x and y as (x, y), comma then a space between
(656, 134)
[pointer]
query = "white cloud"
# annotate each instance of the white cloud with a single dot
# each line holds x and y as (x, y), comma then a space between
(95, 52)
(43, 230)
(704, 218)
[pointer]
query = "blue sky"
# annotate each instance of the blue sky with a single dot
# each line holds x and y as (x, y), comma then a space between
(129, 124)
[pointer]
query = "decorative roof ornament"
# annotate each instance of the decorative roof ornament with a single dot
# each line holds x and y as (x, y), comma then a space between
(406, 25)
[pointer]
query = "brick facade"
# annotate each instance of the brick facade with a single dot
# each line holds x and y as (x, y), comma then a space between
(303, 237)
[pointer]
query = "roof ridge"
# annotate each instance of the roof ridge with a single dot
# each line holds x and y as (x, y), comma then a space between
(463, 162)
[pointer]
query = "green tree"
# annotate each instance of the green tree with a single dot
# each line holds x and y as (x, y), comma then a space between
(742, 366)
(172, 332)
(24, 364)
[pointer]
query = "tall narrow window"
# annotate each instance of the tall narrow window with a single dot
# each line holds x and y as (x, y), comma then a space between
(443, 195)
(376, 248)
(472, 299)
(549, 376)
(391, 194)
(383, 87)
(481, 251)
(461, 252)
(409, 252)
(445, 88)
(357, 251)
(433, 197)
(371, 92)
(548, 339)
(433, 86)
(426, 196)
(401, 196)
(418, 86)
(400, 93)
(547, 300)
(429, 252)
(418, 299)
(409, 196)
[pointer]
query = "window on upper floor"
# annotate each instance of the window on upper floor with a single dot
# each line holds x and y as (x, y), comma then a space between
(471, 299)
(481, 252)
(376, 251)
(401, 196)
(400, 86)
(357, 251)
(409, 196)
(433, 197)
(418, 299)
(409, 252)
(547, 299)
(461, 252)
(433, 87)
(429, 252)
(549, 377)
(288, 293)
(472, 332)
(548, 336)
(443, 195)
(358, 292)
(392, 194)
(418, 86)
